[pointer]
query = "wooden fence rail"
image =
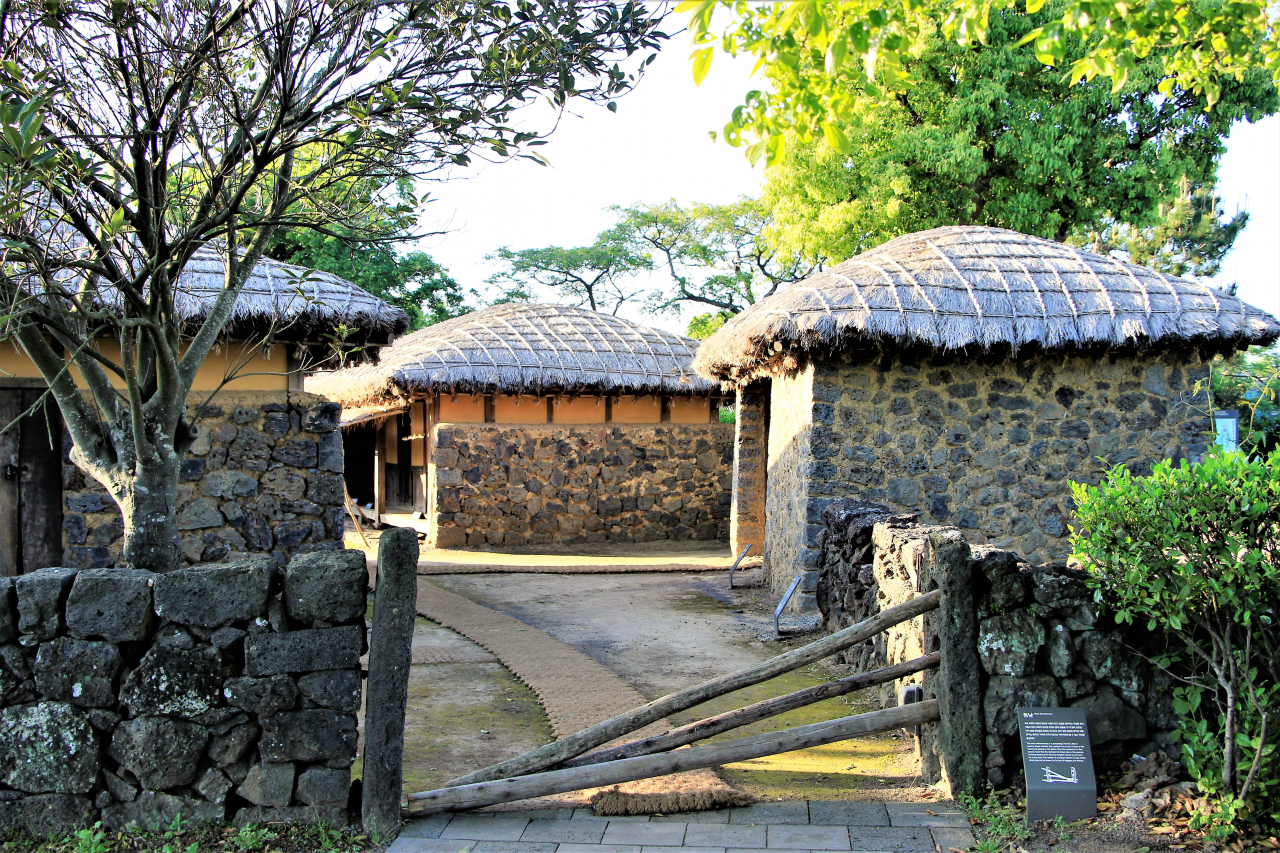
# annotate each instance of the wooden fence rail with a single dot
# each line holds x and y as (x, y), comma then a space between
(477, 795)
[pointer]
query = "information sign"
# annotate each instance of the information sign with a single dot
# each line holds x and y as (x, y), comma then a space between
(1058, 763)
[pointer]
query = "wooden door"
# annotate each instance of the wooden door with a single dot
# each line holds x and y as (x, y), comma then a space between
(30, 482)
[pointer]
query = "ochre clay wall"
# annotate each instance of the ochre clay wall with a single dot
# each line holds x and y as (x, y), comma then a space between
(264, 477)
(503, 486)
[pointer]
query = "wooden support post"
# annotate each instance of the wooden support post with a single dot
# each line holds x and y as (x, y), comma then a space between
(729, 720)
(576, 744)
(353, 511)
(676, 761)
(380, 474)
(387, 688)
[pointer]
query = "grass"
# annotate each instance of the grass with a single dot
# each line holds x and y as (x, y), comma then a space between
(181, 837)
(999, 826)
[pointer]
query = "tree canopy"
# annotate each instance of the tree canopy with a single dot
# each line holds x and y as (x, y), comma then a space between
(135, 135)
(990, 135)
(820, 52)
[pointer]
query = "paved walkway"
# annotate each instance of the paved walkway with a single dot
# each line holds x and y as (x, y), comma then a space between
(793, 826)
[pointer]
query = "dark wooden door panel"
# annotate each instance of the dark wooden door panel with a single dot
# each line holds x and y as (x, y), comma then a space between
(10, 505)
(40, 474)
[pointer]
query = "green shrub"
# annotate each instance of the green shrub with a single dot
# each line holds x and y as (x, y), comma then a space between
(1191, 550)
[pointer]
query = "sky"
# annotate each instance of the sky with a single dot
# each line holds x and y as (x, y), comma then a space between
(656, 147)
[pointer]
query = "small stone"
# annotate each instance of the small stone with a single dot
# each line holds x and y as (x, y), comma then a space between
(324, 785)
(220, 729)
(114, 604)
(298, 453)
(322, 418)
(48, 747)
(1110, 719)
(228, 749)
(103, 799)
(326, 585)
(275, 616)
(174, 681)
(268, 784)
(159, 751)
(200, 514)
(265, 697)
(174, 637)
(304, 651)
(237, 770)
(103, 720)
(336, 689)
(1065, 591)
(1008, 644)
(56, 814)
(213, 785)
(15, 662)
(1006, 694)
(78, 671)
(1008, 587)
(155, 810)
(225, 638)
(42, 596)
(121, 790)
(1110, 659)
(228, 484)
(215, 595)
(319, 735)
(1062, 652)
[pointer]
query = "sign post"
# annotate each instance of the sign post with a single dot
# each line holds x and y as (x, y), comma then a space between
(1058, 764)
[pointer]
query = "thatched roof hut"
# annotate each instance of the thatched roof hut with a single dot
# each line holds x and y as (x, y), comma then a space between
(522, 349)
(292, 302)
(966, 286)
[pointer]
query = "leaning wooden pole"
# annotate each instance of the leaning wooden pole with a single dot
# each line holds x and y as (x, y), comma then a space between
(576, 744)
(647, 766)
(739, 717)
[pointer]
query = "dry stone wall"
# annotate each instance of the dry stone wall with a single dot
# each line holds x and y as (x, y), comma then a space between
(986, 443)
(1038, 636)
(263, 477)
(224, 691)
(499, 486)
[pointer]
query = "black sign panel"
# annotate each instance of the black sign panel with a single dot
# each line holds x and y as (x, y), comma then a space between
(1058, 763)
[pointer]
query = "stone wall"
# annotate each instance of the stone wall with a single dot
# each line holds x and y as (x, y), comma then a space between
(1038, 638)
(750, 469)
(226, 691)
(264, 477)
(988, 444)
(504, 486)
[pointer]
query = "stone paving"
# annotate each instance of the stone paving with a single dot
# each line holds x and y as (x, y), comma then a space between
(793, 826)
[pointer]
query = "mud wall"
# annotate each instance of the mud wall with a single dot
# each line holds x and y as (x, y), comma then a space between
(505, 486)
(1037, 634)
(263, 477)
(226, 691)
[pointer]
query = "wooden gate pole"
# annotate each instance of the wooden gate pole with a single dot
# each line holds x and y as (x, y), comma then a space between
(387, 690)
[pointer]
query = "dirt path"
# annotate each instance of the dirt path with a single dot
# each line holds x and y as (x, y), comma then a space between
(663, 632)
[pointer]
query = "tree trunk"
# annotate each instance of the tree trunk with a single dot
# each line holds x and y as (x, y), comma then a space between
(148, 500)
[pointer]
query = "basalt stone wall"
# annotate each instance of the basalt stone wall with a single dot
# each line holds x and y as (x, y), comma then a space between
(504, 486)
(986, 443)
(263, 477)
(218, 692)
(1038, 637)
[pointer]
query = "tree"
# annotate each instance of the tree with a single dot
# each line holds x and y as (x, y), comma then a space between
(991, 136)
(160, 129)
(1249, 382)
(818, 52)
(713, 255)
(598, 276)
(1191, 551)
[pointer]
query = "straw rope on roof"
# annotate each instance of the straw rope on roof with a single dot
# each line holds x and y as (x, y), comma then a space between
(287, 300)
(522, 349)
(295, 300)
(962, 286)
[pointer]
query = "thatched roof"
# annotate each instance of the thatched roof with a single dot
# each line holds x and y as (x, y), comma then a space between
(522, 349)
(300, 304)
(291, 302)
(960, 287)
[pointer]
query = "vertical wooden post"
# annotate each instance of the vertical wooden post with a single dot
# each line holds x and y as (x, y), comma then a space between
(387, 689)
(665, 410)
(380, 474)
(551, 410)
(10, 508)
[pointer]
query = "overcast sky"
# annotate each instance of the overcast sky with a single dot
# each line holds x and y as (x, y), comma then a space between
(656, 147)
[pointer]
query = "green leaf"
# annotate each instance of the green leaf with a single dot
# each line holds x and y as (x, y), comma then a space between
(836, 138)
(701, 64)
